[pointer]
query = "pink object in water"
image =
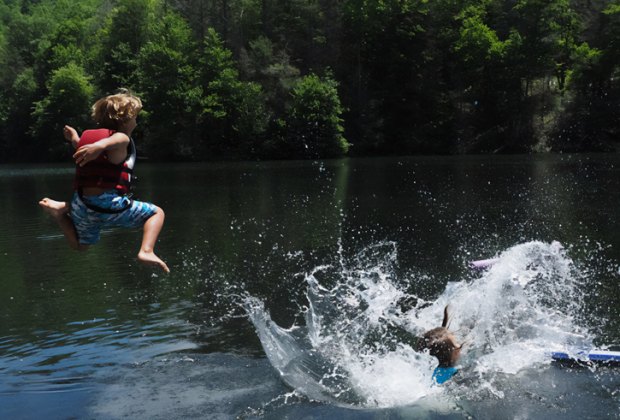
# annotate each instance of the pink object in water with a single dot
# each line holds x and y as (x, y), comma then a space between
(483, 263)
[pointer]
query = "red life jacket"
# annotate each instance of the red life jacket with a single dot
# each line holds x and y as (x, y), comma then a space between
(100, 172)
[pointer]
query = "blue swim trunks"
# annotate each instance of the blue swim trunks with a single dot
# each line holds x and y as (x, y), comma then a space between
(88, 223)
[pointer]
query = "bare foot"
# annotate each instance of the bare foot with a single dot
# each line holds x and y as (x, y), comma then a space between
(149, 258)
(56, 209)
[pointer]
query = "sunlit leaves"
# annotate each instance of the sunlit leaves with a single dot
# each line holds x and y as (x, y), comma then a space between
(477, 43)
(232, 113)
(315, 122)
(70, 93)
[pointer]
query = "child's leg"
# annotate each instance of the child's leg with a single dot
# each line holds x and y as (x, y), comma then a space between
(152, 227)
(59, 210)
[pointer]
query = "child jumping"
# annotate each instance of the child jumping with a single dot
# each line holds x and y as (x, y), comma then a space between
(105, 158)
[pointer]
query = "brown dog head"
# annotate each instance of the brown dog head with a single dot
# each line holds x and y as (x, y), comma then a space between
(441, 343)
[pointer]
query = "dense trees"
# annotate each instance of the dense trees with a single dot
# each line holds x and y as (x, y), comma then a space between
(310, 78)
(591, 120)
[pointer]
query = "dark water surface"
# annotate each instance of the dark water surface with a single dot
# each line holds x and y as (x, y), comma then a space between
(95, 335)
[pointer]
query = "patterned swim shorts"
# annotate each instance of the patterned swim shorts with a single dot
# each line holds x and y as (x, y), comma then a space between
(88, 223)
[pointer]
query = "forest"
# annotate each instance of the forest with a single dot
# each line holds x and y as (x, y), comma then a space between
(308, 79)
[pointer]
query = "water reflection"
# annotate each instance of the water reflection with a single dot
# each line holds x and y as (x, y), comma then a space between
(258, 228)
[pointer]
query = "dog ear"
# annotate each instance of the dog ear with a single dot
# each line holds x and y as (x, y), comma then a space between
(444, 324)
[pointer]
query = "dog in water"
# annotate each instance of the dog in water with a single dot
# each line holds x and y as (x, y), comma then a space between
(441, 343)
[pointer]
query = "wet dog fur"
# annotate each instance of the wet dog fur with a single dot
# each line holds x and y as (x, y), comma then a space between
(441, 343)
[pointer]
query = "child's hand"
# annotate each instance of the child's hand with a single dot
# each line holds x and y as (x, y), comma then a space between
(71, 135)
(87, 153)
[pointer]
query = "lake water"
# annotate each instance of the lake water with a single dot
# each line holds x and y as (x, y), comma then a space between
(356, 255)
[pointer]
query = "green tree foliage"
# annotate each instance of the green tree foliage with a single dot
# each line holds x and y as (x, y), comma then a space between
(232, 115)
(489, 85)
(390, 89)
(314, 124)
(591, 122)
(261, 62)
(509, 53)
(4, 63)
(238, 78)
(70, 93)
(165, 78)
(127, 29)
(16, 99)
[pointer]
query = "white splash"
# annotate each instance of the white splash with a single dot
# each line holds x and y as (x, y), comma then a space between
(356, 346)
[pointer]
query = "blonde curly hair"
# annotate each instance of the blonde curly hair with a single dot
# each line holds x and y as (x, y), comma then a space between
(113, 111)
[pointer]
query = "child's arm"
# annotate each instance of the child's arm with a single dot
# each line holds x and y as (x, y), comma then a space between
(71, 135)
(115, 146)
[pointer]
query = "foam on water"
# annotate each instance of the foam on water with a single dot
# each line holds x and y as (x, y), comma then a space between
(356, 347)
